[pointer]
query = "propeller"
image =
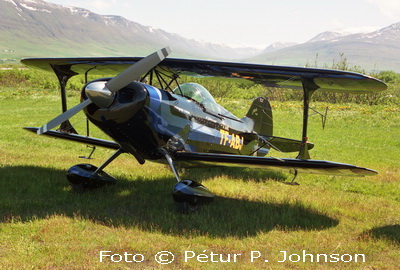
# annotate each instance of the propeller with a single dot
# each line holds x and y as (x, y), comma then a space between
(114, 85)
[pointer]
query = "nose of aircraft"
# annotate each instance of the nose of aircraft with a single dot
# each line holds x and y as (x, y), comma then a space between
(118, 107)
(99, 94)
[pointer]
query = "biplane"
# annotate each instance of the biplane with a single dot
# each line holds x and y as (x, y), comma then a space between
(183, 125)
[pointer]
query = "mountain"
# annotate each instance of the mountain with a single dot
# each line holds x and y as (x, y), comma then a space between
(374, 51)
(35, 28)
(277, 46)
(328, 35)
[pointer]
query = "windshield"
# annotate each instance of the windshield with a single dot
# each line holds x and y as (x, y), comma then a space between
(201, 95)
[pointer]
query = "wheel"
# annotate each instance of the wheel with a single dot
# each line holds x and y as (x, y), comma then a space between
(185, 207)
(81, 178)
(189, 194)
(78, 188)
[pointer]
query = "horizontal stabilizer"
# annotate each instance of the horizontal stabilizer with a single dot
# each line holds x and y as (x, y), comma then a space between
(286, 145)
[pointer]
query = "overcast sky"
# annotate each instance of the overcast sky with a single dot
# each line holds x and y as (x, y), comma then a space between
(257, 23)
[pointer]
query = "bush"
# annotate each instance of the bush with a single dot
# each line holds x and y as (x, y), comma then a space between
(388, 76)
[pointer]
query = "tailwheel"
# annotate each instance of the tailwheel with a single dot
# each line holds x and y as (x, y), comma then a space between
(84, 177)
(188, 195)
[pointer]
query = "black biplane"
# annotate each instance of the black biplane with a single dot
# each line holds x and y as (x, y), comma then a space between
(185, 126)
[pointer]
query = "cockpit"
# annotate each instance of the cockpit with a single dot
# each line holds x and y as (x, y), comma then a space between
(200, 94)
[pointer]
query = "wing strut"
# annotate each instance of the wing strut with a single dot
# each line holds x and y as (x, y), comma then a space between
(309, 87)
(64, 73)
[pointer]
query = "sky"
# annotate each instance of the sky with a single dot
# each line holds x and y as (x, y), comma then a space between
(256, 23)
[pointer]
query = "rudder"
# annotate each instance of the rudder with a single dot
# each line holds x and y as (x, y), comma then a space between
(261, 113)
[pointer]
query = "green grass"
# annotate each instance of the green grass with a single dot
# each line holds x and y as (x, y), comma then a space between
(44, 225)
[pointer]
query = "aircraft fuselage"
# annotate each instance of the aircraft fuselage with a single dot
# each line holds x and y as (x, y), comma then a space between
(143, 119)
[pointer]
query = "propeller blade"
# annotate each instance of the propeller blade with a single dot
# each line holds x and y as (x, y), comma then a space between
(64, 117)
(118, 82)
(136, 70)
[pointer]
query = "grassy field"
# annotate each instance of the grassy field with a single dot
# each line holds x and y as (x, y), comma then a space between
(45, 225)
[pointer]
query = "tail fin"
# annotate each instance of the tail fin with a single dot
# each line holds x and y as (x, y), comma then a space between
(261, 114)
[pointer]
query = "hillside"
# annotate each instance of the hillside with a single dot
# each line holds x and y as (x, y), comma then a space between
(35, 28)
(378, 50)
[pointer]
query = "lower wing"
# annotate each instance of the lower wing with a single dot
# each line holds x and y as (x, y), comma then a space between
(189, 159)
(78, 138)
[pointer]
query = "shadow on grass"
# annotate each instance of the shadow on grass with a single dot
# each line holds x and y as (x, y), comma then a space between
(28, 193)
(244, 174)
(390, 232)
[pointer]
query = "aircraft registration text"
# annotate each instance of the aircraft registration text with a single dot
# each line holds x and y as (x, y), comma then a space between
(232, 140)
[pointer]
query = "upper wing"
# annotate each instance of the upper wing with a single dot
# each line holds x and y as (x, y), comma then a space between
(189, 159)
(269, 75)
(278, 76)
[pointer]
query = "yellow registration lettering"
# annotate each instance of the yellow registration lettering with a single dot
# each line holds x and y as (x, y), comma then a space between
(224, 137)
(232, 140)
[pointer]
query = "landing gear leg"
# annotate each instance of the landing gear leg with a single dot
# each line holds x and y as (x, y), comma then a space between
(85, 177)
(187, 194)
(171, 163)
(109, 160)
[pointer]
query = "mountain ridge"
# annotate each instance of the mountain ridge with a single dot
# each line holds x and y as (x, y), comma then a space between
(39, 22)
(373, 51)
(36, 28)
